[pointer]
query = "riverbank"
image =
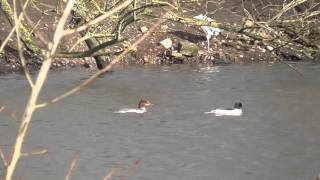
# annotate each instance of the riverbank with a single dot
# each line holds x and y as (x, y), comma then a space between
(224, 49)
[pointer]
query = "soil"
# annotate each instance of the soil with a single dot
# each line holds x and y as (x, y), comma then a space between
(223, 49)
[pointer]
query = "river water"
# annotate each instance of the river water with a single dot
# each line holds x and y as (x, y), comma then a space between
(277, 137)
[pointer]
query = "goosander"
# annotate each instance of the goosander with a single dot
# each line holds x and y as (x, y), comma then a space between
(236, 111)
(140, 110)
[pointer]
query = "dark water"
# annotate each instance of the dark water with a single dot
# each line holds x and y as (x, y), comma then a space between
(276, 138)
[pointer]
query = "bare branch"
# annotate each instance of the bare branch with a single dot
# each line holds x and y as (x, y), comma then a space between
(99, 19)
(60, 27)
(35, 152)
(72, 166)
(4, 43)
(108, 176)
(35, 91)
(287, 7)
(3, 158)
(35, 30)
(131, 171)
(22, 59)
(88, 37)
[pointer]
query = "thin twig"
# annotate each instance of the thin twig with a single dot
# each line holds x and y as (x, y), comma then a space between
(108, 176)
(287, 7)
(3, 158)
(88, 37)
(35, 30)
(22, 59)
(99, 18)
(35, 152)
(72, 166)
(6, 40)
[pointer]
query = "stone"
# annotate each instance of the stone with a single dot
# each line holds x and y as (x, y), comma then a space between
(146, 59)
(222, 61)
(248, 23)
(188, 49)
(269, 48)
(164, 27)
(86, 65)
(166, 43)
(177, 56)
(144, 29)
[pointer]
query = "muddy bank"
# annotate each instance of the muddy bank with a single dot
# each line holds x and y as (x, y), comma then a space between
(224, 49)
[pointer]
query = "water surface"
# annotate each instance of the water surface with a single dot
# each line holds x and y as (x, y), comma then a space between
(276, 138)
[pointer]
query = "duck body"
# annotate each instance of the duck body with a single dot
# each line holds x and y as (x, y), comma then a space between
(127, 110)
(236, 111)
(140, 110)
(226, 112)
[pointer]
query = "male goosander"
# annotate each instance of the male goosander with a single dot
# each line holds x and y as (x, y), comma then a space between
(140, 110)
(236, 111)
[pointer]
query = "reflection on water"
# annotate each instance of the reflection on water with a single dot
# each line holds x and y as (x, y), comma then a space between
(209, 69)
(206, 73)
(276, 138)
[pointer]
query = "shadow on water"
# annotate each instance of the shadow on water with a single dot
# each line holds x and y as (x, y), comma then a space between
(276, 138)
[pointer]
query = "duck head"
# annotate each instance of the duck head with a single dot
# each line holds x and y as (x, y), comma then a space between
(238, 105)
(144, 103)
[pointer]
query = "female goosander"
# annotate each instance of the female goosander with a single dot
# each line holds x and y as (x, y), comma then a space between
(236, 111)
(141, 108)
